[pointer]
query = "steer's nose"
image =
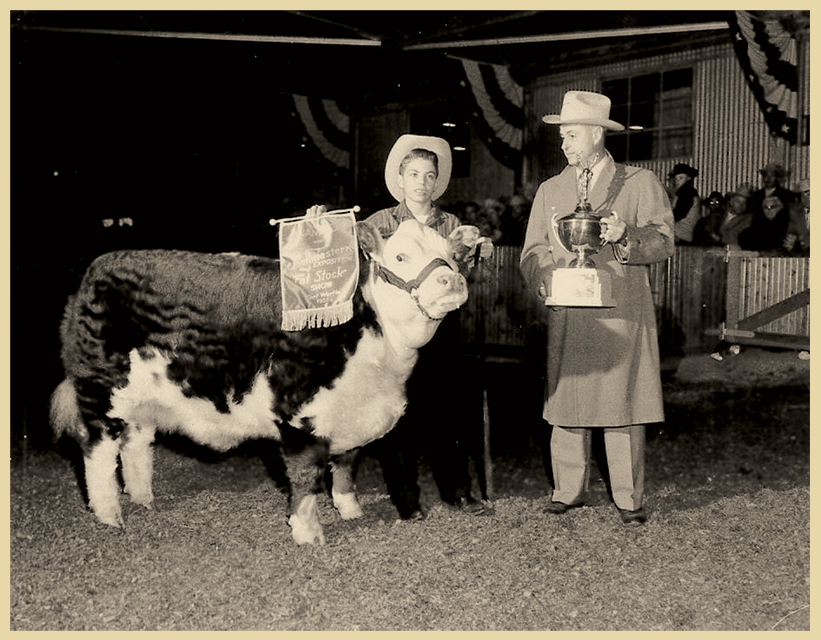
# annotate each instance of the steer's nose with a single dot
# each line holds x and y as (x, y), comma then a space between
(452, 280)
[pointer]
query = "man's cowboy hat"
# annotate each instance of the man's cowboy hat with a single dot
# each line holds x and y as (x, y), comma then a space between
(686, 169)
(585, 107)
(402, 147)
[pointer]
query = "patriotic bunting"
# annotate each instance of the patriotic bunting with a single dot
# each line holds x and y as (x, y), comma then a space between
(498, 114)
(328, 128)
(768, 55)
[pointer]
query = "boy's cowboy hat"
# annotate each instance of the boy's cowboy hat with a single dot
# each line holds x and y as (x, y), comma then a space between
(585, 107)
(402, 147)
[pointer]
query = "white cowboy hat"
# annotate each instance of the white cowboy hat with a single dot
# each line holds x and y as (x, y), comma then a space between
(402, 147)
(585, 107)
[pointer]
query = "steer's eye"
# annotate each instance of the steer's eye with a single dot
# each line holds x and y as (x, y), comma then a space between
(401, 257)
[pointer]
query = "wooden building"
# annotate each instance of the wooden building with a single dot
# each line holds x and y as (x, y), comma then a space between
(717, 124)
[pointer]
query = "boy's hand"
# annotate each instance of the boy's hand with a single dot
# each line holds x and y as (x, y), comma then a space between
(316, 211)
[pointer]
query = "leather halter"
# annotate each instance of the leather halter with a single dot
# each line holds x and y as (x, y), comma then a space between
(412, 286)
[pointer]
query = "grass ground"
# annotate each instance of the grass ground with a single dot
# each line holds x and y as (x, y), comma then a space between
(727, 546)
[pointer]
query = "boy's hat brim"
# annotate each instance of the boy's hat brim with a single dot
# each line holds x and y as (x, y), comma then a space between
(402, 147)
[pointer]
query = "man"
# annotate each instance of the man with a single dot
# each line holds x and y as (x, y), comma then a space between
(770, 208)
(602, 363)
(685, 201)
(798, 231)
(736, 217)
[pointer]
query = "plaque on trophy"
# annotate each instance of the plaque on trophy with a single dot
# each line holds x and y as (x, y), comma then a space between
(580, 284)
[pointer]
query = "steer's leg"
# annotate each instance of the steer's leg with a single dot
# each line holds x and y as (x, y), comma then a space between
(138, 464)
(343, 490)
(305, 460)
(101, 480)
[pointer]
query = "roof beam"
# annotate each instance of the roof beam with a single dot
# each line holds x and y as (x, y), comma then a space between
(211, 36)
(519, 15)
(578, 35)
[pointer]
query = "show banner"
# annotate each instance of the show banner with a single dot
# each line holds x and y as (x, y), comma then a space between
(319, 258)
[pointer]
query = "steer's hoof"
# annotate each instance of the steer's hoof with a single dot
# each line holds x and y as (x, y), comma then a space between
(113, 518)
(347, 506)
(304, 533)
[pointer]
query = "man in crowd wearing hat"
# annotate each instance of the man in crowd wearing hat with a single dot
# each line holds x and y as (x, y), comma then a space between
(736, 217)
(707, 232)
(770, 208)
(685, 202)
(602, 362)
(417, 173)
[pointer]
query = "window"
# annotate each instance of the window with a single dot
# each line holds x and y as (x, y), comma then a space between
(659, 107)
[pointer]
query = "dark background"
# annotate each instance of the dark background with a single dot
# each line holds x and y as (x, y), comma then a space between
(196, 141)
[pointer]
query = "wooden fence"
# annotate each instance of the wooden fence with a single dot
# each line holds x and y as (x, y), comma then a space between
(702, 296)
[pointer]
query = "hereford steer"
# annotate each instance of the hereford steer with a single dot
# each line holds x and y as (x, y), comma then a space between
(191, 343)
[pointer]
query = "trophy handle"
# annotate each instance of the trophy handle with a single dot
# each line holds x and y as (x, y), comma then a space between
(603, 241)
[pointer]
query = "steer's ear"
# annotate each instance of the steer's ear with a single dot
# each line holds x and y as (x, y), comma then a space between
(461, 240)
(370, 240)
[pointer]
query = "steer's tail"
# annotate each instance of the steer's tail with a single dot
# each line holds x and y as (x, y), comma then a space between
(65, 413)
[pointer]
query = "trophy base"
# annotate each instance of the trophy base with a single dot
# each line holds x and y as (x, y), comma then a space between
(579, 287)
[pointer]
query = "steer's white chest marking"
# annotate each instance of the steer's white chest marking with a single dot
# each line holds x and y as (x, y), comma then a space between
(365, 402)
(151, 400)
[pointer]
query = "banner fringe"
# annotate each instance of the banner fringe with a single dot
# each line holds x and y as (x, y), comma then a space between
(298, 319)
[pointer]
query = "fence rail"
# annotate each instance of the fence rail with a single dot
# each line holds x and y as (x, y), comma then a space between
(701, 295)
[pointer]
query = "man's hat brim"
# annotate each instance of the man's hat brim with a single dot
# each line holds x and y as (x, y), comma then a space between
(402, 147)
(607, 124)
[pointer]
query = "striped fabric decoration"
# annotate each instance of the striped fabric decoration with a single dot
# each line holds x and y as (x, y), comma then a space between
(768, 55)
(328, 128)
(498, 113)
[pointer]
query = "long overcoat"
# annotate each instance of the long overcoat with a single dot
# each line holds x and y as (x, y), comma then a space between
(603, 363)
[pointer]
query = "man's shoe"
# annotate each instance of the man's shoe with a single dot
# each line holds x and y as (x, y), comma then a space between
(639, 516)
(557, 508)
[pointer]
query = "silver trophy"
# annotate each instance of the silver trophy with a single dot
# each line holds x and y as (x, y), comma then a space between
(581, 284)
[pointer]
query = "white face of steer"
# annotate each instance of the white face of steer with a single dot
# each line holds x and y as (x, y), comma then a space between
(422, 284)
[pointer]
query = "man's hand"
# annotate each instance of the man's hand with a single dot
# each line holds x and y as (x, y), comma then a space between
(612, 228)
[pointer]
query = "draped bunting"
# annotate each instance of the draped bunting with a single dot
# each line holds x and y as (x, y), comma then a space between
(768, 54)
(328, 128)
(498, 114)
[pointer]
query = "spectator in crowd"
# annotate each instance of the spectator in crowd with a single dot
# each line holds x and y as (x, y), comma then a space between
(602, 363)
(470, 213)
(489, 220)
(798, 231)
(707, 232)
(736, 217)
(770, 208)
(514, 221)
(685, 202)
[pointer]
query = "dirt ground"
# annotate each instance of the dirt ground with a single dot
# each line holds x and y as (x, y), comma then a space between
(752, 367)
